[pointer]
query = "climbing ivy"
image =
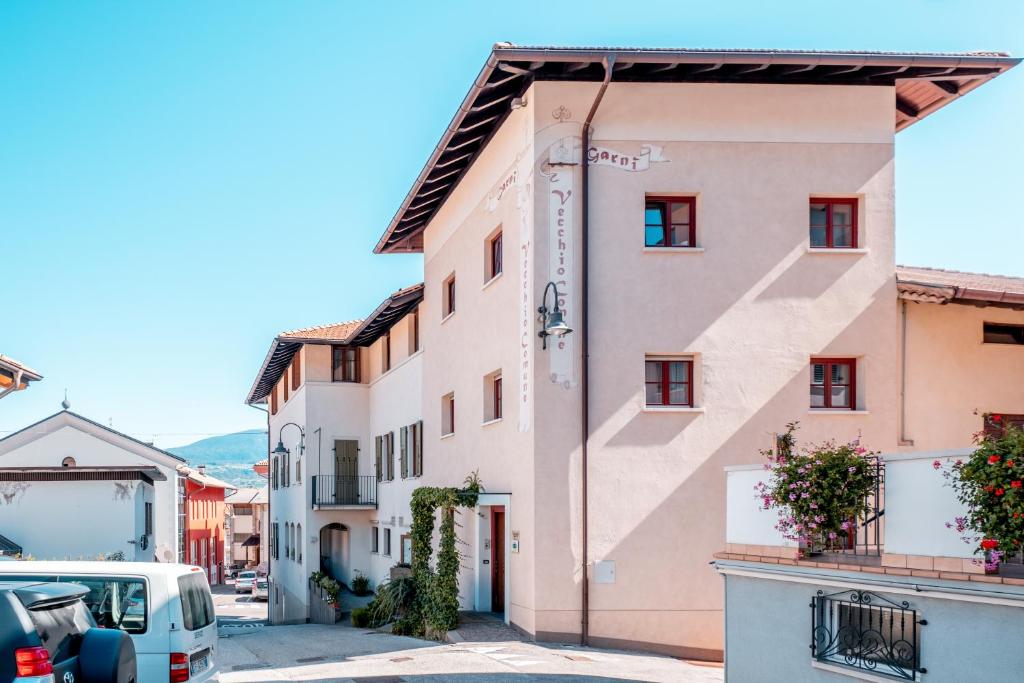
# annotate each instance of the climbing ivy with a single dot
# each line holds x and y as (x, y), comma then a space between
(435, 609)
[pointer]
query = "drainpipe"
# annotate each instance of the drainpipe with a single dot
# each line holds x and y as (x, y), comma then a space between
(609, 63)
(904, 441)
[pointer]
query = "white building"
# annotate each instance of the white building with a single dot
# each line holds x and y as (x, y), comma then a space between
(80, 513)
(91, 507)
(344, 400)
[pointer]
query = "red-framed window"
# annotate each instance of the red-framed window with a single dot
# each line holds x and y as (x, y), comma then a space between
(449, 296)
(497, 397)
(496, 255)
(670, 222)
(833, 223)
(834, 383)
(669, 382)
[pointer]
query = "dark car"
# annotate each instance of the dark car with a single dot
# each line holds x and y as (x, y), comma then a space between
(47, 635)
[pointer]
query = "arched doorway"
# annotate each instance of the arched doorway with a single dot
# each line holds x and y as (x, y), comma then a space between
(334, 551)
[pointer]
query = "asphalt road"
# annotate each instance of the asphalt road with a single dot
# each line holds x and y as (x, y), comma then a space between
(237, 611)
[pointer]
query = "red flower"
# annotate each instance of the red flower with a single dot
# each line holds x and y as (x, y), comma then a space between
(997, 418)
(1000, 492)
(989, 488)
(937, 464)
(1016, 515)
(990, 544)
(993, 459)
(1017, 483)
(1009, 463)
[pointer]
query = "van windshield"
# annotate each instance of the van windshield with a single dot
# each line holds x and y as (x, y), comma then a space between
(196, 601)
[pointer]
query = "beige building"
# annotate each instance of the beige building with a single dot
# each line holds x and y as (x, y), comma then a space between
(246, 529)
(720, 228)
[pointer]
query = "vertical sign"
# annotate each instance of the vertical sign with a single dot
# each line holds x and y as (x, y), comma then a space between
(527, 340)
(561, 246)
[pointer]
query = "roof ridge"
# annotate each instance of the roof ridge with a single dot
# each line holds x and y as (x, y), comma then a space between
(311, 328)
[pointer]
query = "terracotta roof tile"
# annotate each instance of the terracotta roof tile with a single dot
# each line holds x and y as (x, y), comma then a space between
(333, 331)
(937, 285)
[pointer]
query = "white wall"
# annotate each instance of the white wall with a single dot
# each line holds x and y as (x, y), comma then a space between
(918, 503)
(746, 521)
(57, 520)
(50, 449)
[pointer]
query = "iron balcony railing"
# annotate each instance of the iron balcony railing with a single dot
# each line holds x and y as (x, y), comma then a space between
(338, 490)
(866, 536)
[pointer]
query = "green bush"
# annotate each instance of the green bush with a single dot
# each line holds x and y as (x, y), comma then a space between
(394, 600)
(360, 584)
(361, 617)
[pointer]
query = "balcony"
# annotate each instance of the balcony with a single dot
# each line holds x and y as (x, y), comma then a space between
(344, 492)
(905, 531)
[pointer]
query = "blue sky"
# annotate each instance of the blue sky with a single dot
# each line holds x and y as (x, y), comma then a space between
(180, 181)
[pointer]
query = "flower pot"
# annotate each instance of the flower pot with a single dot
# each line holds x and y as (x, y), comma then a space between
(401, 573)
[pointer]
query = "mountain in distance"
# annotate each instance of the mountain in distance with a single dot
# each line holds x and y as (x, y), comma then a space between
(228, 457)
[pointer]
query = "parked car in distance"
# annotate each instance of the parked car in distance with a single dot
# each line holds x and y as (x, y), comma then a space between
(47, 634)
(244, 581)
(261, 588)
(166, 609)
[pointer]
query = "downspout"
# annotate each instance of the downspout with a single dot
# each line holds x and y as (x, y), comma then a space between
(270, 600)
(609, 64)
(904, 441)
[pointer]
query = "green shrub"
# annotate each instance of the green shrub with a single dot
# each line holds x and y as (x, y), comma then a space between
(394, 599)
(360, 584)
(361, 617)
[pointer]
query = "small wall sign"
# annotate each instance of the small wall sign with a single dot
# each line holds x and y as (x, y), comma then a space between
(515, 541)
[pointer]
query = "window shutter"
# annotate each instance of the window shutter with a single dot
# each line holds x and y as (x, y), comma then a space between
(417, 464)
(391, 456)
(404, 432)
(379, 445)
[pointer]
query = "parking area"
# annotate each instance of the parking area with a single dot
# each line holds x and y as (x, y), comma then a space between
(312, 652)
(237, 610)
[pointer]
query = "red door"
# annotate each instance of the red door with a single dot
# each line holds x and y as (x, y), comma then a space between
(498, 559)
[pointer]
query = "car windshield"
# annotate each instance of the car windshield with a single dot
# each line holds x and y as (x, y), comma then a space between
(247, 575)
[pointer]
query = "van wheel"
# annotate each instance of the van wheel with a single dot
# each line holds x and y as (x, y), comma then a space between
(107, 656)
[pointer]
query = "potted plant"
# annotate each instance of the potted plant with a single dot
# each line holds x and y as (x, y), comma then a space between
(819, 490)
(401, 570)
(990, 484)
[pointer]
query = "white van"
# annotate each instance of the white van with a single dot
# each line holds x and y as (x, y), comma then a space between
(167, 609)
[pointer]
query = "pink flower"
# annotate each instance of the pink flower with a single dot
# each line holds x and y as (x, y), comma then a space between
(936, 464)
(851, 470)
(860, 451)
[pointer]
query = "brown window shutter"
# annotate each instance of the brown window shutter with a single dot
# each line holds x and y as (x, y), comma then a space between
(296, 370)
(391, 456)
(404, 436)
(417, 466)
(380, 447)
(273, 401)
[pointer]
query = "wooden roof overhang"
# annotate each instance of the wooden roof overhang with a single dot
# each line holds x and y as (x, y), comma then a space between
(387, 314)
(284, 347)
(115, 473)
(924, 83)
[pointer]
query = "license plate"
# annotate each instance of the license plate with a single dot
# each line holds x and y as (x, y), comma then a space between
(199, 665)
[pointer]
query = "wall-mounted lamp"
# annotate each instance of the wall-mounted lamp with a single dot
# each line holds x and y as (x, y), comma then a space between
(553, 321)
(281, 450)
